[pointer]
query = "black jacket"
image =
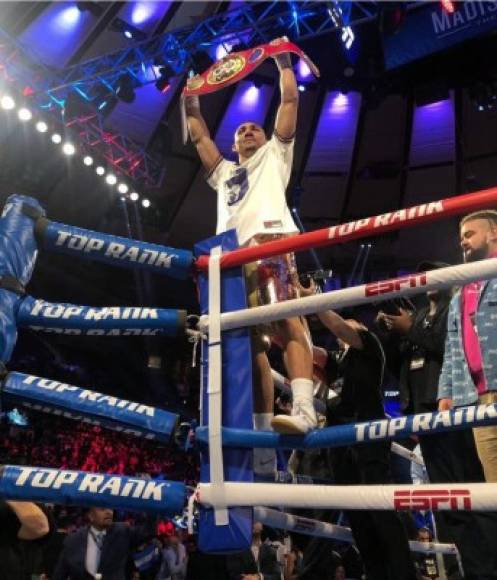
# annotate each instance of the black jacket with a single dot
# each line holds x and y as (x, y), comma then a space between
(119, 541)
(244, 563)
(428, 343)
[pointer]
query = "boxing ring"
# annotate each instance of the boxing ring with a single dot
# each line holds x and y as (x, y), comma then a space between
(227, 497)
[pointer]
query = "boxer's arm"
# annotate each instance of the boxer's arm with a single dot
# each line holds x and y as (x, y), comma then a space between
(286, 118)
(199, 133)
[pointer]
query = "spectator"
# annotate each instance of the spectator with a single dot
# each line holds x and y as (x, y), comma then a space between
(255, 564)
(449, 457)
(204, 566)
(19, 521)
(361, 368)
(55, 544)
(469, 374)
(148, 560)
(101, 547)
(426, 563)
(175, 556)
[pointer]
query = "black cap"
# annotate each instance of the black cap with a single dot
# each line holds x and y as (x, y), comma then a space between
(427, 265)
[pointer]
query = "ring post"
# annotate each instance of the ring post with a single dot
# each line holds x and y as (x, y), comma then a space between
(236, 405)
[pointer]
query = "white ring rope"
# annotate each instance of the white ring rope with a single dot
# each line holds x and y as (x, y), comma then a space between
(447, 496)
(364, 294)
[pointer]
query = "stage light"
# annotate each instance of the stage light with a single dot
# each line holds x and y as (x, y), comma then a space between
(128, 30)
(56, 138)
(336, 14)
(88, 160)
(134, 196)
(111, 179)
(100, 170)
(7, 102)
(68, 148)
(24, 114)
(448, 6)
(68, 17)
(122, 188)
(250, 95)
(142, 11)
(304, 71)
(301, 88)
(42, 127)
(145, 202)
(348, 37)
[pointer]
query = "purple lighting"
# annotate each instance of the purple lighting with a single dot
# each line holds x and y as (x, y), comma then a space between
(249, 97)
(304, 71)
(339, 103)
(248, 104)
(142, 11)
(334, 139)
(433, 134)
(68, 17)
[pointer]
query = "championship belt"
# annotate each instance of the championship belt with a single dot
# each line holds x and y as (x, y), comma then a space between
(236, 66)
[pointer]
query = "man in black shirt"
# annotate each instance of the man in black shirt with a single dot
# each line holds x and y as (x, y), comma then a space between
(379, 535)
(449, 457)
(19, 521)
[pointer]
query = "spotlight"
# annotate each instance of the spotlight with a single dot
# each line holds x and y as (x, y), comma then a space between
(99, 170)
(111, 179)
(7, 102)
(448, 6)
(56, 138)
(87, 160)
(42, 127)
(134, 196)
(126, 89)
(24, 114)
(128, 30)
(301, 88)
(122, 188)
(145, 202)
(68, 149)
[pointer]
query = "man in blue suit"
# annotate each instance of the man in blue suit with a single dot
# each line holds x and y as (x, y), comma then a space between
(102, 547)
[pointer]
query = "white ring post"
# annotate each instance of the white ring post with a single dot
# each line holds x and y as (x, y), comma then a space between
(214, 390)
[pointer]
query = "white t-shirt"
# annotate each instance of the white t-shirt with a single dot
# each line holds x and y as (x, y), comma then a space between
(251, 195)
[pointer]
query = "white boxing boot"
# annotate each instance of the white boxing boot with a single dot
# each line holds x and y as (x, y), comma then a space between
(303, 418)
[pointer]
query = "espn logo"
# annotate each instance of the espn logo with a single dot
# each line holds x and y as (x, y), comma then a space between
(395, 284)
(449, 499)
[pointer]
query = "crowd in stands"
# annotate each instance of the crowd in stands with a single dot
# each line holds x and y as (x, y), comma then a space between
(54, 442)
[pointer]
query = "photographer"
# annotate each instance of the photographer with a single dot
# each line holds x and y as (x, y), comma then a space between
(379, 535)
(449, 457)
